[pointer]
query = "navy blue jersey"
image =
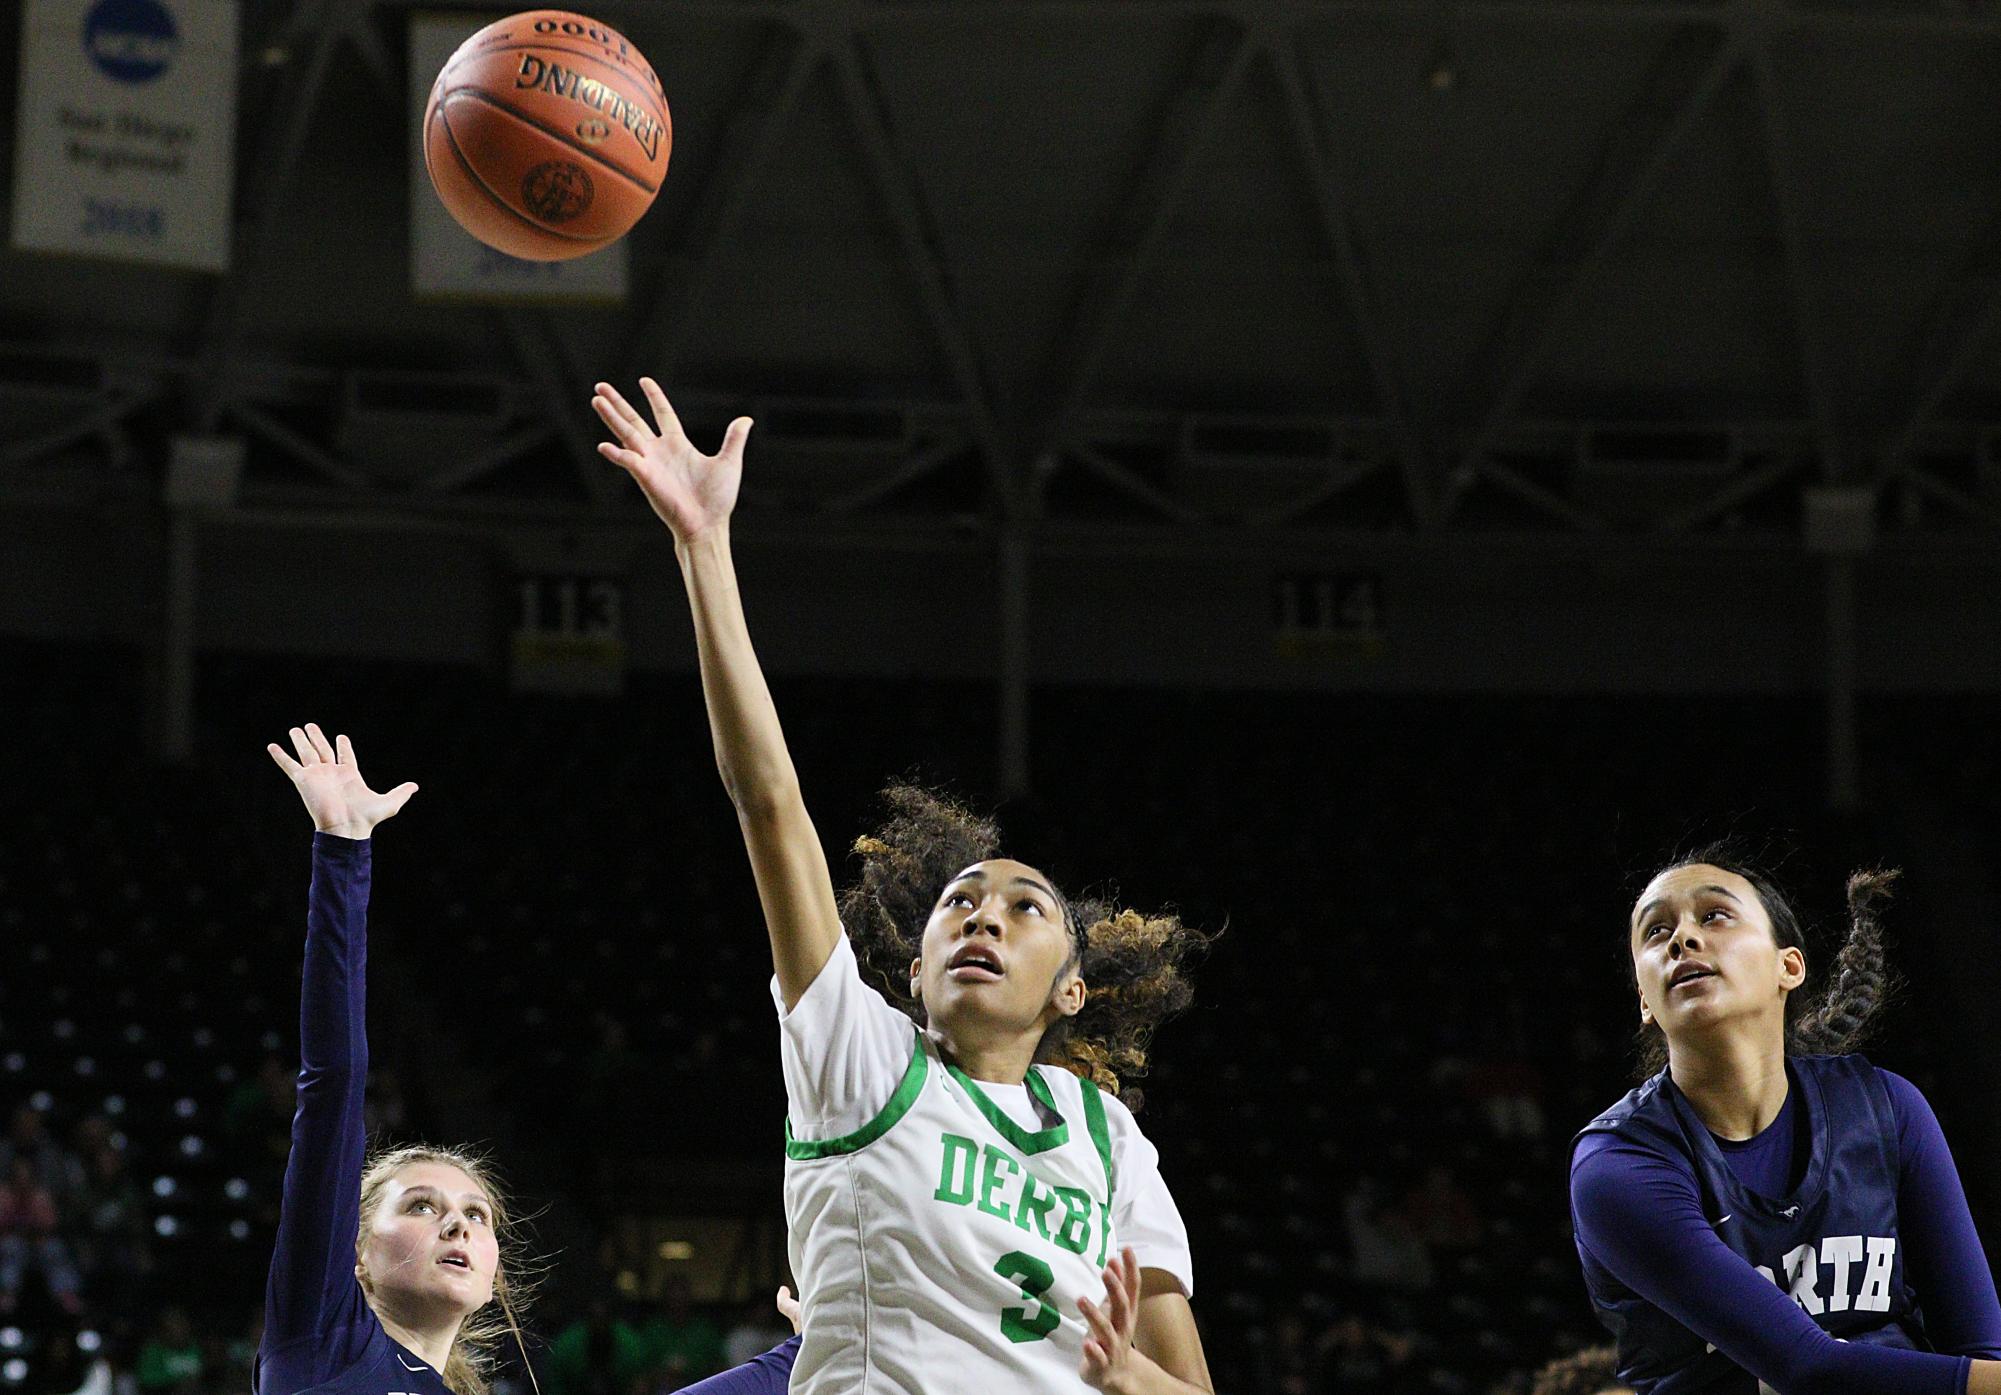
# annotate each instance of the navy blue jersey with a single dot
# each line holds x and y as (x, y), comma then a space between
(1834, 1245)
(319, 1334)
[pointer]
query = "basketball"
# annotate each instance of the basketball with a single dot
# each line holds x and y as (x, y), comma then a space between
(547, 135)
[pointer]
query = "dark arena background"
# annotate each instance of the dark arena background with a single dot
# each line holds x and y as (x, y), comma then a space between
(1379, 477)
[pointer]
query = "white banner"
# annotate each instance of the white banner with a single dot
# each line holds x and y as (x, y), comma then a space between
(446, 261)
(125, 141)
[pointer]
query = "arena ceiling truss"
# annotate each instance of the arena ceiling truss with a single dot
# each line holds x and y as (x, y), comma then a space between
(1157, 269)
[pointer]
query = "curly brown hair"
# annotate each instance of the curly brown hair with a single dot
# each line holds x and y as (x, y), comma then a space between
(1592, 1371)
(1135, 964)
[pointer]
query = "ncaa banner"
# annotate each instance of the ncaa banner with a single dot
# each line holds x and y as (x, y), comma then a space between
(125, 138)
(446, 261)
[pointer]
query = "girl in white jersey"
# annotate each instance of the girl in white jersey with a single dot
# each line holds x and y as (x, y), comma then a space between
(965, 1216)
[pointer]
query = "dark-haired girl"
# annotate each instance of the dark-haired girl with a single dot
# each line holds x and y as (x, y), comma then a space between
(957, 1198)
(1766, 1212)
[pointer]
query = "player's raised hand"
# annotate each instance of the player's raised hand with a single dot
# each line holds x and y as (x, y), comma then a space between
(788, 1308)
(691, 492)
(330, 783)
(1110, 1360)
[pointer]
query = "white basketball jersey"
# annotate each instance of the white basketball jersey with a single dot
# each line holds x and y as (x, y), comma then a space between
(942, 1248)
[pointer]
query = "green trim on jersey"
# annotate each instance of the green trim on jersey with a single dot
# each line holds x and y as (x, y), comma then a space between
(1054, 1136)
(1101, 1133)
(907, 1090)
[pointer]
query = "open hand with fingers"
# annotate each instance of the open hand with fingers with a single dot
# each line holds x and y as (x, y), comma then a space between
(1111, 1362)
(693, 493)
(330, 783)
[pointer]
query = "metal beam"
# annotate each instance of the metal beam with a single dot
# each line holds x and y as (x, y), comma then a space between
(1955, 499)
(309, 453)
(1251, 540)
(1309, 127)
(383, 70)
(1342, 476)
(1957, 328)
(919, 464)
(284, 128)
(923, 257)
(1542, 498)
(457, 475)
(1128, 483)
(755, 119)
(1611, 12)
(288, 30)
(1941, 20)
(267, 505)
(539, 350)
(1598, 219)
(1626, 14)
(1969, 332)
(1807, 333)
(96, 421)
(1141, 217)
(1014, 746)
(1844, 762)
(173, 678)
(1741, 490)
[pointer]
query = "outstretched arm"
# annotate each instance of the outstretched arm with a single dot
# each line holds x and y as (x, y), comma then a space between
(1642, 1220)
(312, 1285)
(695, 494)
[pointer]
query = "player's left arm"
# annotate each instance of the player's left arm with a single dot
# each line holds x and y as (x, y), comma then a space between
(1943, 1256)
(768, 1374)
(1143, 1340)
(1167, 1334)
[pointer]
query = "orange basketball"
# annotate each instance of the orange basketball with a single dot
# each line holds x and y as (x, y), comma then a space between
(547, 135)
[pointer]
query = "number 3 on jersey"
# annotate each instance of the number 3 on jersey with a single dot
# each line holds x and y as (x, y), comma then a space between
(1034, 1278)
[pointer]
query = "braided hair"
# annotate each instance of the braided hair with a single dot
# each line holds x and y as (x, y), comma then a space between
(1839, 1017)
(1134, 963)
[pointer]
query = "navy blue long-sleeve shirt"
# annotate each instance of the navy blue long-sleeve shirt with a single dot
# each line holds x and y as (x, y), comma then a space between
(769, 1373)
(1642, 1212)
(319, 1333)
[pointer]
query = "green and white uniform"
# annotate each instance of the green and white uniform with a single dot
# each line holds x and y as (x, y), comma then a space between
(943, 1229)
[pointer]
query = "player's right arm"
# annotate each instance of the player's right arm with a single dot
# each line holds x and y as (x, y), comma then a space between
(1642, 1219)
(312, 1285)
(695, 494)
